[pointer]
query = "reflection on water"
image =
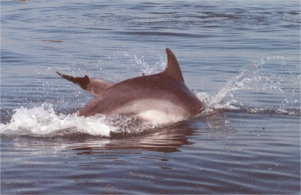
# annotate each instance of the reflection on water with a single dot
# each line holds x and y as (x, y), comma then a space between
(164, 140)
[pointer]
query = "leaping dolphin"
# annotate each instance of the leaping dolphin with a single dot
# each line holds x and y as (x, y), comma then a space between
(157, 99)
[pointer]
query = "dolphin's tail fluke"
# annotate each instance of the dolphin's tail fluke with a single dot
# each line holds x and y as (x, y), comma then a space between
(93, 86)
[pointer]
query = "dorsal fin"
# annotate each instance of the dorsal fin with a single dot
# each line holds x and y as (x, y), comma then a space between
(173, 68)
(93, 86)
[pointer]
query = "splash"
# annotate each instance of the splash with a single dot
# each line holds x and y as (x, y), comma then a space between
(44, 122)
(147, 68)
(247, 75)
(260, 76)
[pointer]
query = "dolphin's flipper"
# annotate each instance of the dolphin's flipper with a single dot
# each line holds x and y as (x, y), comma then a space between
(173, 68)
(93, 86)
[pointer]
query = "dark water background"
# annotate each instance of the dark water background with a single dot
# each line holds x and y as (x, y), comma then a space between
(244, 52)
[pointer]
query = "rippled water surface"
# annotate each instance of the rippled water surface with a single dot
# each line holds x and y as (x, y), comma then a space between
(241, 58)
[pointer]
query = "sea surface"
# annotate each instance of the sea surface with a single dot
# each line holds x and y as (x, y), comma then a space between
(241, 58)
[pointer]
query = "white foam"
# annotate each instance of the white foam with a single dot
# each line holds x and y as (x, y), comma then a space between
(42, 121)
(214, 102)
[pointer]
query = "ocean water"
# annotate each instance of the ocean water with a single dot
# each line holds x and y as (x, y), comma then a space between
(241, 58)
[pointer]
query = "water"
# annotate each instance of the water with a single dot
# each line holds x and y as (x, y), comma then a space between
(241, 58)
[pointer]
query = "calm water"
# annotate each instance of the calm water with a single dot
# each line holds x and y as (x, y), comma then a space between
(244, 53)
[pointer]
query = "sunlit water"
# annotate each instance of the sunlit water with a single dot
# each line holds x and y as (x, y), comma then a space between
(240, 58)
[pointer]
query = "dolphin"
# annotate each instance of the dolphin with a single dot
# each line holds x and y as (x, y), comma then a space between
(157, 99)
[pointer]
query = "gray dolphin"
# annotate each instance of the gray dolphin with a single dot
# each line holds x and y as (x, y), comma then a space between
(157, 99)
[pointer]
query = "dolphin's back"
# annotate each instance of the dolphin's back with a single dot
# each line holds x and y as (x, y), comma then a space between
(155, 98)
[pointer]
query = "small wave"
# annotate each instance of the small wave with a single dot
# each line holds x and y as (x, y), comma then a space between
(275, 111)
(252, 110)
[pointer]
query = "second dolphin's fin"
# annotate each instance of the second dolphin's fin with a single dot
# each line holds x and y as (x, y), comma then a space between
(93, 86)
